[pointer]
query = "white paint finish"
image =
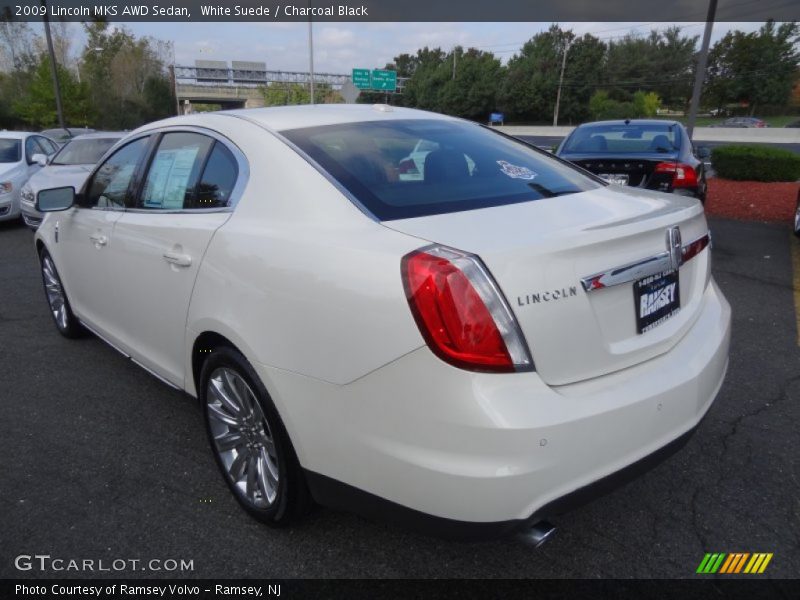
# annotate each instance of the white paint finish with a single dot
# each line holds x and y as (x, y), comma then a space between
(152, 301)
(467, 446)
(550, 244)
(308, 288)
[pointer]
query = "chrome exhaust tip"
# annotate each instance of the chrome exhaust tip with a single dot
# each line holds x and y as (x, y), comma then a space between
(537, 534)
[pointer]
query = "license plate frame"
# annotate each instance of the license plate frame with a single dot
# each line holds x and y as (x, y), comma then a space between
(615, 178)
(656, 298)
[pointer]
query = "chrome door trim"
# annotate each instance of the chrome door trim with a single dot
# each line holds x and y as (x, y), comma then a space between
(128, 356)
(645, 267)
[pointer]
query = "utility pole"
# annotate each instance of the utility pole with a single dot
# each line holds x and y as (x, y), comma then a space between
(53, 66)
(561, 82)
(454, 61)
(311, 58)
(702, 62)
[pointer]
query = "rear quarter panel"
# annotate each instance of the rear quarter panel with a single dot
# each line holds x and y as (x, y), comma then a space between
(299, 279)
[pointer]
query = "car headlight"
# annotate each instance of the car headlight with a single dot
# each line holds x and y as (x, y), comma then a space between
(6, 187)
(26, 194)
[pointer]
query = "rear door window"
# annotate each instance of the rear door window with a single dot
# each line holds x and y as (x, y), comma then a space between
(410, 168)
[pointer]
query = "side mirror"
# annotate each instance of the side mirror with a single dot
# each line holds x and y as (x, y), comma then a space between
(55, 199)
(703, 152)
(39, 159)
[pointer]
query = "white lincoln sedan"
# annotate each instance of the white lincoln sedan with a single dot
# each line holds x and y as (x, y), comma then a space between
(469, 352)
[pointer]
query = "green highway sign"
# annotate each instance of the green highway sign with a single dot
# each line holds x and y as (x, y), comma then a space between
(385, 81)
(361, 79)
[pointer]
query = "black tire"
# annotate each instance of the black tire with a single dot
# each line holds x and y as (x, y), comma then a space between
(292, 499)
(66, 322)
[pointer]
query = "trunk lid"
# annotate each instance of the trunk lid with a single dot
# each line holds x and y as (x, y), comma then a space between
(636, 171)
(539, 251)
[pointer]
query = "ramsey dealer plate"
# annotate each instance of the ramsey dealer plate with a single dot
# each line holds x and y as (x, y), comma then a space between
(617, 178)
(656, 299)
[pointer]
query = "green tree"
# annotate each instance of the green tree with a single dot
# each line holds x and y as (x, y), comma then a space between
(646, 104)
(38, 106)
(277, 94)
(756, 68)
(126, 77)
(531, 83)
(599, 104)
(661, 62)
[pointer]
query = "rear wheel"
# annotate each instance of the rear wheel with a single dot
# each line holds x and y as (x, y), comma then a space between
(60, 309)
(797, 217)
(249, 441)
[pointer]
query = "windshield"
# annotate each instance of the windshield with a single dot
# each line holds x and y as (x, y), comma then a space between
(411, 168)
(10, 151)
(83, 152)
(635, 138)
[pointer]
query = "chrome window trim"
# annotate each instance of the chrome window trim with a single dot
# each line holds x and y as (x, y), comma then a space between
(630, 272)
(304, 155)
(242, 177)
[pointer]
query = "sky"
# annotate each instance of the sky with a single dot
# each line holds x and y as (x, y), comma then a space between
(340, 47)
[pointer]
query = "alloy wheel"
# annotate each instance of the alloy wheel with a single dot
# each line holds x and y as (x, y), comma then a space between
(797, 219)
(55, 293)
(242, 438)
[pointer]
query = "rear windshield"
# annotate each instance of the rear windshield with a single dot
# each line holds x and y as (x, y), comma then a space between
(83, 152)
(412, 168)
(636, 138)
(10, 151)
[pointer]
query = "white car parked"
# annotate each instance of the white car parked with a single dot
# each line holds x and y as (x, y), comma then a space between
(70, 166)
(469, 353)
(21, 155)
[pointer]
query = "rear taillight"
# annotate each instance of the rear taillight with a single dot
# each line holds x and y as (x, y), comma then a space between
(682, 175)
(461, 313)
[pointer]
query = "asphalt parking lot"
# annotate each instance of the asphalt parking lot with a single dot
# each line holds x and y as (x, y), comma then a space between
(102, 461)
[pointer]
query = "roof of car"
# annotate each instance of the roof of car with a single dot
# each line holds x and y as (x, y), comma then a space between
(280, 118)
(101, 135)
(633, 122)
(17, 135)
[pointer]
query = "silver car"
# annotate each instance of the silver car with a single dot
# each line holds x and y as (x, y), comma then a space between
(69, 167)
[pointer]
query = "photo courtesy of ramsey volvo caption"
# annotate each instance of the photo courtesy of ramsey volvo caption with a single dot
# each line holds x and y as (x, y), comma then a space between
(468, 352)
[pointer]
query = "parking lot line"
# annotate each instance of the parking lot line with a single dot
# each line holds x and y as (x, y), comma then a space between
(795, 246)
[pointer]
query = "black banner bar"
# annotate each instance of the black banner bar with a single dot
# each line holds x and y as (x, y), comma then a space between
(370, 589)
(668, 11)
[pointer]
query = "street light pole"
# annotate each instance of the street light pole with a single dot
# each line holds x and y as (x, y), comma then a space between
(53, 66)
(311, 58)
(702, 62)
(561, 82)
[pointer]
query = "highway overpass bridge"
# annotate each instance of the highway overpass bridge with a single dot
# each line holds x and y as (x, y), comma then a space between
(240, 84)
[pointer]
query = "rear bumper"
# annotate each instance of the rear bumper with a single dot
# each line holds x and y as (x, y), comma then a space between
(492, 452)
(337, 495)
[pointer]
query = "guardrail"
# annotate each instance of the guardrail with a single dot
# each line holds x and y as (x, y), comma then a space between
(766, 135)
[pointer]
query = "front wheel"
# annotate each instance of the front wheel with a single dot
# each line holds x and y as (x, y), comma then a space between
(66, 322)
(249, 441)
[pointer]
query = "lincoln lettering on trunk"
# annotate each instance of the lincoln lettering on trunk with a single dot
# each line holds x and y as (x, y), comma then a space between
(547, 296)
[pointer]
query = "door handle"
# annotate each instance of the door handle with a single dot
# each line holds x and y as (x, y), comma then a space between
(98, 239)
(178, 259)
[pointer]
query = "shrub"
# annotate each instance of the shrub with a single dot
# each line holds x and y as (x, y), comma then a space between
(756, 163)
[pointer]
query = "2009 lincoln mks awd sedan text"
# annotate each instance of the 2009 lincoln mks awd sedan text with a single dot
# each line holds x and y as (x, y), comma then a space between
(468, 351)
